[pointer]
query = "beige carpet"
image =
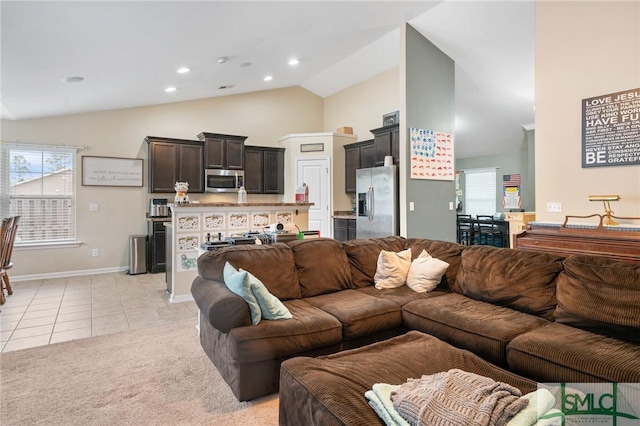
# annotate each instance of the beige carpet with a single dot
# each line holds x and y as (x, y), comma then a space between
(155, 376)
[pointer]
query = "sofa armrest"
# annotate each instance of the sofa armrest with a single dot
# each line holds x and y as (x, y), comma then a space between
(223, 309)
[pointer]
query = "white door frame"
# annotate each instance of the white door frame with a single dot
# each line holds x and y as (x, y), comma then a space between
(327, 225)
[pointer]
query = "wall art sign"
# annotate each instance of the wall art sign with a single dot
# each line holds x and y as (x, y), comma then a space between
(511, 191)
(311, 147)
(431, 154)
(111, 171)
(611, 129)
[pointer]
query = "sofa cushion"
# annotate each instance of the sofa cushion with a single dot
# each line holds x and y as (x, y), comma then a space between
(480, 327)
(517, 279)
(310, 328)
(559, 353)
(359, 313)
(363, 257)
(399, 295)
(272, 264)
(600, 295)
(392, 268)
(443, 250)
(322, 266)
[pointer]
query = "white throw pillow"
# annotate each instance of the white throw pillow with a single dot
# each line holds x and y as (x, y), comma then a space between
(425, 272)
(392, 268)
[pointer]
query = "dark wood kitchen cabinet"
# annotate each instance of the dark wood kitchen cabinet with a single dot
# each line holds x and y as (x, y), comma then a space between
(223, 151)
(387, 142)
(264, 170)
(359, 155)
(344, 229)
(175, 160)
(156, 253)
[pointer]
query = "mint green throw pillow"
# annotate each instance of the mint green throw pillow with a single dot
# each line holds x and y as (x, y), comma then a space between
(271, 307)
(262, 304)
(238, 283)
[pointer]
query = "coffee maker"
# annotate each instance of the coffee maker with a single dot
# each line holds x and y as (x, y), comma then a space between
(158, 207)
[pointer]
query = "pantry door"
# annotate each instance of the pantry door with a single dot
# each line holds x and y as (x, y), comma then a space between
(315, 173)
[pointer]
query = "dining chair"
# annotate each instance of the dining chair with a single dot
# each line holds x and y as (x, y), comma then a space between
(488, 231)
(7, 237)
(465, 229)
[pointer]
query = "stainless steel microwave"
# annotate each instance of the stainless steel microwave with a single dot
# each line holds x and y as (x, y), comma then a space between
(217, 180)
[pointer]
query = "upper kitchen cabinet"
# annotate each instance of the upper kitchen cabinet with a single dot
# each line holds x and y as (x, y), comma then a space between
(359, 155)
(175, 160)
(264, 172)
(223, 151)
(387, 142)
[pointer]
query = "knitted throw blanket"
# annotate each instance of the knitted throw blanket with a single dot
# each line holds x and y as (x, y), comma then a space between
(456, 397)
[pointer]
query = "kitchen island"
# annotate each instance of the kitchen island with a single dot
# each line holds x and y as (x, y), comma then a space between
(192, 222)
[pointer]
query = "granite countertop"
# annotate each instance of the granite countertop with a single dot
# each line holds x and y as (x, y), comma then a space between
(159, 218)
(344, 214)
(208, 204)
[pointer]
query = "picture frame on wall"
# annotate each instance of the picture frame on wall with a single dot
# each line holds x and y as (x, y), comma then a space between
(111, 171)
(391, 118)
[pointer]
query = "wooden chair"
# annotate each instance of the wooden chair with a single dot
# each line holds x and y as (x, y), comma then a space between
(465, 229)
(7, 237)
(488, 231)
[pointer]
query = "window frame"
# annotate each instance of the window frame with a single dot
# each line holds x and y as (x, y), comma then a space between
(9, 200)
(489, 191)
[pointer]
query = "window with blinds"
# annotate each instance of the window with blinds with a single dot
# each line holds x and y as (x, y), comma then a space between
(480, 191)
(38, 184)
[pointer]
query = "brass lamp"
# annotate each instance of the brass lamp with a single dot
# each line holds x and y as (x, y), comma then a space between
(607, 207)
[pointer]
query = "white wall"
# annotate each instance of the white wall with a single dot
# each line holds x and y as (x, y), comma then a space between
(262, 116)
(583, 49)
(362, 105)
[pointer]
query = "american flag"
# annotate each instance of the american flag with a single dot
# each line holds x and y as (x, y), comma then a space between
(510, 180)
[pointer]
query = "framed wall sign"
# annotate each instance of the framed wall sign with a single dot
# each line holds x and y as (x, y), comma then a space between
(611, 129)
(311, 147)
(111, 171)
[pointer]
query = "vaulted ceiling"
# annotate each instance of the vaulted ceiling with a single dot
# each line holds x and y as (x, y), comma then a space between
(128, 53)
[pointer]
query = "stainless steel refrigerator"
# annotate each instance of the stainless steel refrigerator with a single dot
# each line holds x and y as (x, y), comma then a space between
(377, 202)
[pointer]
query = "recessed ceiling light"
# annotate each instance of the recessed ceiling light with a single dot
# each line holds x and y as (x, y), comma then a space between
(222, 59)
(268, 78)
(76, 79)
(170, 89)
(294, 61)
(183, 70)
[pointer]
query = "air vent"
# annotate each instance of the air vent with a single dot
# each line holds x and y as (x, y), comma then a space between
(226, 86)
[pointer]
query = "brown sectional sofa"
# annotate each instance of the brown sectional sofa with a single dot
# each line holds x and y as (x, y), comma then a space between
(537, 315)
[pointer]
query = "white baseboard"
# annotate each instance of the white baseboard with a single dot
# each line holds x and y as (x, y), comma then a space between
(18, 278)
(181, 298)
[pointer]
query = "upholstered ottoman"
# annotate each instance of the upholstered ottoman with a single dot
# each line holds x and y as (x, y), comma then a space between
(329, 390)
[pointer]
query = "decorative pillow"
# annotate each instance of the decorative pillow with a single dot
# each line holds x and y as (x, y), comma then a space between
(392, 268)
(271, 307)
(425, 272)
(237, 282)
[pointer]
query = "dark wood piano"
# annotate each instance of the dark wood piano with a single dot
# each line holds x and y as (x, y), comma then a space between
(620, 242)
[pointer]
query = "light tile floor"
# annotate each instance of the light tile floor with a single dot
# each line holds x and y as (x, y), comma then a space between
(42, 312)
